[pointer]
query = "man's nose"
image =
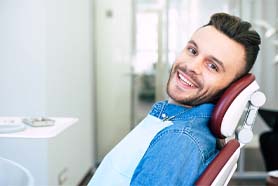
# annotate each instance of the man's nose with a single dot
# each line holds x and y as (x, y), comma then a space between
(195, 65)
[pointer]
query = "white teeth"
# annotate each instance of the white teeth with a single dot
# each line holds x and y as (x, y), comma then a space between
(185, 80)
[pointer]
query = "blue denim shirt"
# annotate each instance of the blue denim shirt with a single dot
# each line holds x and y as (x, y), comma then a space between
(179, 153)
(171, 146)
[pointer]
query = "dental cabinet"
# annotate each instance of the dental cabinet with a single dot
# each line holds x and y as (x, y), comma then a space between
(47, 152)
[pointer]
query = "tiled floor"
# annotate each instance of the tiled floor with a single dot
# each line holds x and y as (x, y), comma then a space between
(233, 182)
(86, 179)
(253, 162)
(247, 183)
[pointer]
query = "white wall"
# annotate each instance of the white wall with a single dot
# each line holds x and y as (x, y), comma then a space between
(69, 78)
(113, 38)
(22, 57)
(47, 64)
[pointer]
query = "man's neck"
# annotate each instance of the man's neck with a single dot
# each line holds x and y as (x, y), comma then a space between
(171, 101)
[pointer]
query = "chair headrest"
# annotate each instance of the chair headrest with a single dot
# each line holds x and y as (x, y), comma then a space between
(231, 105)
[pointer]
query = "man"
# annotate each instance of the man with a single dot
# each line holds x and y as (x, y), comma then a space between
(173, 144)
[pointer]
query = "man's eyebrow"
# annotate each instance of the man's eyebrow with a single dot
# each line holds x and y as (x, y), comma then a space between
(218, 61)
(193, 43)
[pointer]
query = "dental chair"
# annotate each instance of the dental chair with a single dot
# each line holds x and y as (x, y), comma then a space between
(232, 121)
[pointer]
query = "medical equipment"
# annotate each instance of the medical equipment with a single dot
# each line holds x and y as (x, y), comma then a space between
(38, 122)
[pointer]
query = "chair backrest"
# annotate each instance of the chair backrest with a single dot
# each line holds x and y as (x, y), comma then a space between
(233, 119)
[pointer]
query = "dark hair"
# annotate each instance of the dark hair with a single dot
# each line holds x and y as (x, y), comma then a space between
(240, 31)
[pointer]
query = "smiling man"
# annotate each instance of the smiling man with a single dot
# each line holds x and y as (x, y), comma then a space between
(173, 145)
(206, 66)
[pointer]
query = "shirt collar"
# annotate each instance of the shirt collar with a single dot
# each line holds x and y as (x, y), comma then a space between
(164, 110)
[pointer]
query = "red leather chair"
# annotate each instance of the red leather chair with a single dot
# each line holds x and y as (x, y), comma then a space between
(232, 120)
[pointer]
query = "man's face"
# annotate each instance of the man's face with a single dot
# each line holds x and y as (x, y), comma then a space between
(207, 65)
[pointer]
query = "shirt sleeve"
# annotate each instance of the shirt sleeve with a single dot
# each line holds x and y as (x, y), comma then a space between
(173, 158)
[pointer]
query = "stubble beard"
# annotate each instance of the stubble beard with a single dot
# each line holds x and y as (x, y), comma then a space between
(194, 100)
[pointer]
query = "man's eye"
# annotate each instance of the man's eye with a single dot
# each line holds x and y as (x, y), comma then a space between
(192, 51)
(213, 67)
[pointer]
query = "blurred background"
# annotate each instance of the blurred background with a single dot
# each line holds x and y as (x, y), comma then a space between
(106, 62)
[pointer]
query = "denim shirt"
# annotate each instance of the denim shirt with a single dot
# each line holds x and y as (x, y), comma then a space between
(171, 146)
(179, 153)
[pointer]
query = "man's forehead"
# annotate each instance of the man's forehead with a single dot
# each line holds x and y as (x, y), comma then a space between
(212, 42)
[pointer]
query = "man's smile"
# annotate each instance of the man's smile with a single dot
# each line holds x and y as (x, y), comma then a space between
(185, 81)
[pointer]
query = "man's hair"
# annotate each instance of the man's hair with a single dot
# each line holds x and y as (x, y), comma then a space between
(240, 31)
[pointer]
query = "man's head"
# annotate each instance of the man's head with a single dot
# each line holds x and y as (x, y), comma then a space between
(239, 31)
(216, 55)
